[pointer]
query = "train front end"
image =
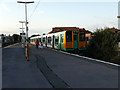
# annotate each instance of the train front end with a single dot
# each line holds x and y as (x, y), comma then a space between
(82, 39)
(75, 40)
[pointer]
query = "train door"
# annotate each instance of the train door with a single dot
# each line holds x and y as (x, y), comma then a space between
(46, 41)
(75, 37)
(60, 41)
(53, 41)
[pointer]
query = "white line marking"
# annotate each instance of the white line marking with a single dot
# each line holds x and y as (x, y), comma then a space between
(96, 60)
(90, 58)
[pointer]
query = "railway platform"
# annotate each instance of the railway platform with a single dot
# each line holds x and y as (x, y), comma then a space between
(49, 68)
(18, 73)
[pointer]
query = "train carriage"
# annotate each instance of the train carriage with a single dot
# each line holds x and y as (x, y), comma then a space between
(33, 39)
(64, 38)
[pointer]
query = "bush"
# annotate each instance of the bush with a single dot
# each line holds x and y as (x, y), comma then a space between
(103, 45)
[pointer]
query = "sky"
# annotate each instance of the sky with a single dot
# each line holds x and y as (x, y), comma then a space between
(88, 14)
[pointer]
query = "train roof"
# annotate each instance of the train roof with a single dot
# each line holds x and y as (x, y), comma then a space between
(60, 29)
(35, 37)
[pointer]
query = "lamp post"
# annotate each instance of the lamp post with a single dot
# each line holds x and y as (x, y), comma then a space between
(27, 48)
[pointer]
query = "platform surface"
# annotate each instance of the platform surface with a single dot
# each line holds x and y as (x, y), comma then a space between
(52, 69)
(18, 72)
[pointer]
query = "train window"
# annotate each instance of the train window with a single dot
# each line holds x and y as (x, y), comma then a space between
(62, 38)
(49, 39)
(56, 40)
(43, 39)
(39, 39)
(69, 36)
(87, 38)
(76, 31)
(34, 40)
(82, 36)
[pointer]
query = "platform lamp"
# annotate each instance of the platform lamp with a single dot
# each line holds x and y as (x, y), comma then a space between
(27, 48)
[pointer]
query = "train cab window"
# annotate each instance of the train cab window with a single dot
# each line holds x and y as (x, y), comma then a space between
(49, 40)
(87, 38)
(82, 36)
(69, 36)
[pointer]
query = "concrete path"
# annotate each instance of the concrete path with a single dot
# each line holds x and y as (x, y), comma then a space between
(18, 73)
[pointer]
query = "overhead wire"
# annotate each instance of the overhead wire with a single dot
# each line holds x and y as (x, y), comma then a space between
(34, 9)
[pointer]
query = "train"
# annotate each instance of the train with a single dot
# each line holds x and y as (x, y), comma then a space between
(63, 38)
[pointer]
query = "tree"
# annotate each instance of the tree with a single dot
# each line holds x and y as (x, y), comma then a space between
(17, 38)
(103, 44)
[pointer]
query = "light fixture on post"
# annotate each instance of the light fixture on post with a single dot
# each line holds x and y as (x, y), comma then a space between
(27, 42)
